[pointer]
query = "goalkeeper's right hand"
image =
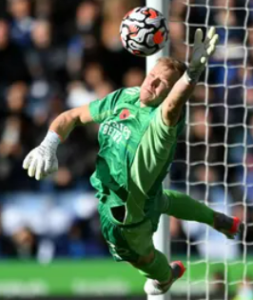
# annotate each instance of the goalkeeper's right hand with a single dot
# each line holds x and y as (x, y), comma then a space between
(202, 50)
(42, 161)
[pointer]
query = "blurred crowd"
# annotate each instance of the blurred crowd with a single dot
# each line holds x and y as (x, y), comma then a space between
(56, 55)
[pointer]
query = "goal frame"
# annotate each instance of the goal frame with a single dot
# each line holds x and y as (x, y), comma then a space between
(161, 237)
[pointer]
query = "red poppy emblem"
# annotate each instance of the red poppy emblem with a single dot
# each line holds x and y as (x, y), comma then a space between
(124, 114)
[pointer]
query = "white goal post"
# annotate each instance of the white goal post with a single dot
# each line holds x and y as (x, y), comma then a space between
(161, 237)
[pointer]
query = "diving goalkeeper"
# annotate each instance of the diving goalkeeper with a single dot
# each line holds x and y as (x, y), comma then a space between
(137, 139)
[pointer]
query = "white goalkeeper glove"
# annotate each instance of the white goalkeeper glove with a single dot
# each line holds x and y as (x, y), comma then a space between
(201, 53)
(42, 160)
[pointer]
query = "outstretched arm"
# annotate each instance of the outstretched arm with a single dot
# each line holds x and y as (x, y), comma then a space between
(67, 121)
(182, 90)
(42, 160)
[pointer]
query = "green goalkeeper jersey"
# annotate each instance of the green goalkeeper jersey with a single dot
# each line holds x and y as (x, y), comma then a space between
(136, 150)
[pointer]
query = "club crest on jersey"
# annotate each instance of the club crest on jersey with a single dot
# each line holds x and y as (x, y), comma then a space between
(125, 113)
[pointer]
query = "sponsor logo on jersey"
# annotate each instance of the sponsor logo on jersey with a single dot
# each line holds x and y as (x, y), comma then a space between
(117, 131)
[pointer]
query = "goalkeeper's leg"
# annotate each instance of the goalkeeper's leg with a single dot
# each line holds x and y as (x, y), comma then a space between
(183, 207)
(135, 245)
(161, 275)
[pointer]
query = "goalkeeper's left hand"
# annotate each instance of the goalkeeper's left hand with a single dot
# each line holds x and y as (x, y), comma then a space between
(202, 50)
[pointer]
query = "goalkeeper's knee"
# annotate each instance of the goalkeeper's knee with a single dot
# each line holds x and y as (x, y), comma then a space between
(155, 266)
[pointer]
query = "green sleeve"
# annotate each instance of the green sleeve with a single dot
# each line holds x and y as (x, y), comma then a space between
(103, 108)
(154, 154)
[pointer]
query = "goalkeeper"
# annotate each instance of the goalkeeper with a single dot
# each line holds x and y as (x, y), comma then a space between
(137, 138)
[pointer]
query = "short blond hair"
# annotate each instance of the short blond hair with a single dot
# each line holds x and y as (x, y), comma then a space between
(173, 64)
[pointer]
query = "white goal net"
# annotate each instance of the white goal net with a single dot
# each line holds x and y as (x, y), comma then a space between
(214, 161)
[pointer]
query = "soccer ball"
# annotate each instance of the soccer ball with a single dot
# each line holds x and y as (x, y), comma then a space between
(144, 31)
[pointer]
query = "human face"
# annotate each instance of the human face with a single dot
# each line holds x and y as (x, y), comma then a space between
(157, 85)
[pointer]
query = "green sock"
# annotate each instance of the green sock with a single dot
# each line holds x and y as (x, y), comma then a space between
(183, 207)
(159, 269)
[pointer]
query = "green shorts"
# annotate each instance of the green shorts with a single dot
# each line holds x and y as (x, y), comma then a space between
(126, 242)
